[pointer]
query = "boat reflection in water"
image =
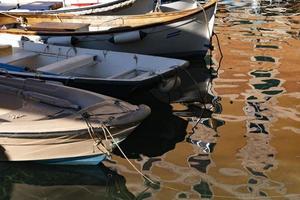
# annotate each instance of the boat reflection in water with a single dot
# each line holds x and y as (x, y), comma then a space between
(194, 103)
(158, 133)
(204, 133)
(38, 181)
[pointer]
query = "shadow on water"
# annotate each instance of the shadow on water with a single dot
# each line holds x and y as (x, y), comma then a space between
(26, 180)
(195, 82)
(194, 103)
(165, 127)
(158, 134)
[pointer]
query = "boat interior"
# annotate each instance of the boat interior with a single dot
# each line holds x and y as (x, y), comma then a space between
(31, 102)
(24, 100)
(15, 108)
(88, 63)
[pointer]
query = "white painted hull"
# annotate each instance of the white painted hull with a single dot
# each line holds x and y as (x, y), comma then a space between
(190, 36)
(61, 147)
(181, 33)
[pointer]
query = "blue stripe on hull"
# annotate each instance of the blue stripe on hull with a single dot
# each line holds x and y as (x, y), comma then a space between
(83, 160)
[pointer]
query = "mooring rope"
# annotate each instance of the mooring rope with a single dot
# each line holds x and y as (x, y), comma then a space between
(205, 17)
(104, 127)
(94, 135)
(221, 52)
(97, 138)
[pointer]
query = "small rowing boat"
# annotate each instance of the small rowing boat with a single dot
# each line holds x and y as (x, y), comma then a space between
(54, 124)
(107, 72)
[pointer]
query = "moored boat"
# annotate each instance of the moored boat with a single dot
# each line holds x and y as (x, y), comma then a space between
(106, 72)
(54, 124)
(186, 32)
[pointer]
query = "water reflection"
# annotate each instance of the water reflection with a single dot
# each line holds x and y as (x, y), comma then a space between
(37, 181)
(169, 127)
(258, 156)
(264, 7)
(234, 136)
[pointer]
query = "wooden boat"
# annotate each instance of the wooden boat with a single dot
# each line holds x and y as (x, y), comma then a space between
(54, 124)
(173, 33)
(106, 72)
(78, 7)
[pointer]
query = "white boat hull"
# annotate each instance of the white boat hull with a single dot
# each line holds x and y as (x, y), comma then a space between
(188, 34)
(191, 36)
(55, 149)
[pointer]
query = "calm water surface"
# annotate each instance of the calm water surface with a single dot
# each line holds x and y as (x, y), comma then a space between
(233, 135)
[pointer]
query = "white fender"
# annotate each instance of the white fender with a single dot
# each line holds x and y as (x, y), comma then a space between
(131, 36)
(65, 40)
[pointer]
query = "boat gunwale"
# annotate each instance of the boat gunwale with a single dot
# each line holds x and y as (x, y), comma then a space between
(113, 81)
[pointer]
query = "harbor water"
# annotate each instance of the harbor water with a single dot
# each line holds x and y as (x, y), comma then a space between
(231, 131)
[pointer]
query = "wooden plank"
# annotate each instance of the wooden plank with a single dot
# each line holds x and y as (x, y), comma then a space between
(58, 26)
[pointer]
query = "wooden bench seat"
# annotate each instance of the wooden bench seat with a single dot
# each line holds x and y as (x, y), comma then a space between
(17, 57)
(69, 64)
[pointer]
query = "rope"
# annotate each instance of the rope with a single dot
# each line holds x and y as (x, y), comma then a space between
(122, 152)
(196, 84)
(205, 17)
(133, 166)
(157, 6)
(105, 130)
(220, 50)
(94, 135)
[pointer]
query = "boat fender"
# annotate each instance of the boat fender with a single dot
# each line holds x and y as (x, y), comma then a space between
(65, 40)
(169, 84)
(132, 36)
